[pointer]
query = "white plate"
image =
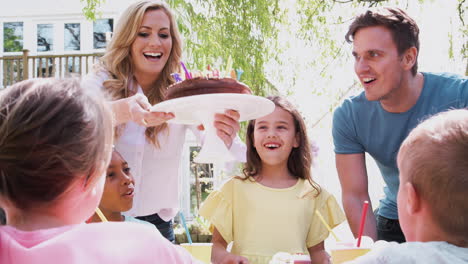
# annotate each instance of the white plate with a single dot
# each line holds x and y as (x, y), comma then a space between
(200, 109)
(185, 108)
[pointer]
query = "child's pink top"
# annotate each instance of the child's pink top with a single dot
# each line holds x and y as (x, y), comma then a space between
(111, 242)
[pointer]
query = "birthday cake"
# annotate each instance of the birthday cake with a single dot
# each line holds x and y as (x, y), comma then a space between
(201, 85)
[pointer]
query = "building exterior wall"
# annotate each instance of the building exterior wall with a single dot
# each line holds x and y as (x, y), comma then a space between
(56, 12)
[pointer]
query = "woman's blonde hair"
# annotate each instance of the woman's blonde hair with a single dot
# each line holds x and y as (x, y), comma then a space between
(52, 133)
(118, 60)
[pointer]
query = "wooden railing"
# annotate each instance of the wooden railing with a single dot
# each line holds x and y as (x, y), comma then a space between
(16, 68)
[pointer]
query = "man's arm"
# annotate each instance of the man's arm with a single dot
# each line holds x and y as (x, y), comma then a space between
(353, 178)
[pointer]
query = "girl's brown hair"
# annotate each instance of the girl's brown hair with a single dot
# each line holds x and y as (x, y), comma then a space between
(300, 158)
(118, 60)
(52, 133)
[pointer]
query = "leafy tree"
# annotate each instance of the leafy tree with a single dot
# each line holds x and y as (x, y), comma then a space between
(248, 31)
(91, 9)
(11, 42)
(243, 29)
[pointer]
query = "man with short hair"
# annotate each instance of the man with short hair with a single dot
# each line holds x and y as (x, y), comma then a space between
(396, 98)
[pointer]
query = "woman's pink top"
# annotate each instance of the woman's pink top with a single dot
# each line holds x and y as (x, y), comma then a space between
(111, 242)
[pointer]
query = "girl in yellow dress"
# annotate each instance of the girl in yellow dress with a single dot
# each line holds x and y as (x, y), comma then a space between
(271, 208)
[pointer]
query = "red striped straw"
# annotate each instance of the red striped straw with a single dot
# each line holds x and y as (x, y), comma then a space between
(363, 221)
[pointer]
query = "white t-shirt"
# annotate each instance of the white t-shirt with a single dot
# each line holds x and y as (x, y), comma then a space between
(435, 252)
(155, 170)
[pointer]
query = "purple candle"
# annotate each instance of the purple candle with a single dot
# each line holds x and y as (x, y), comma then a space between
(176, 76)
(187, 74)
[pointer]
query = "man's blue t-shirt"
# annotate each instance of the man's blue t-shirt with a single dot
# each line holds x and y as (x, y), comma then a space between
(362, 126)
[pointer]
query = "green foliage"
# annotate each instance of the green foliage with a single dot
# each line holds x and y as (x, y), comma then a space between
(249, 31)
(11, 42)
(318, 25)
(199, 226)
(450, 51)
(203, 184)
(243, 29)
(464, 50)
(462, 7)
(91, 9)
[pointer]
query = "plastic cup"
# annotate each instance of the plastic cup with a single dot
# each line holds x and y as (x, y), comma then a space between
(346, 254)
(346, 251)
(200, 251)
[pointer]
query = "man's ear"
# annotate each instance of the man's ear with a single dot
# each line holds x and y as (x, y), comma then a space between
(409, 58)
(413, 205)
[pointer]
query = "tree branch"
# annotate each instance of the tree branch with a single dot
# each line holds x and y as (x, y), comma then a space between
(343, 94)
(461, 11)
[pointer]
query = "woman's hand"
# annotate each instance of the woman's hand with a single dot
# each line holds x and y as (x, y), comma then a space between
(227, 126)
(136, 108)
(151, 119)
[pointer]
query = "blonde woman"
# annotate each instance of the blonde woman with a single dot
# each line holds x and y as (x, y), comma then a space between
(145, 49)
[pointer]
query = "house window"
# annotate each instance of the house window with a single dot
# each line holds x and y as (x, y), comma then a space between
(101, 29)
(201, 181)
(45, 37)
(72, 36)
(13, 36)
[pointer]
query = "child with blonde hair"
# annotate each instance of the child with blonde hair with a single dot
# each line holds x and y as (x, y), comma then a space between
(55, 145)
(432, 205)
(272, 208)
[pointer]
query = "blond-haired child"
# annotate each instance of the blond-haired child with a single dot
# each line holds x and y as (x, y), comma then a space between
(432, 204)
